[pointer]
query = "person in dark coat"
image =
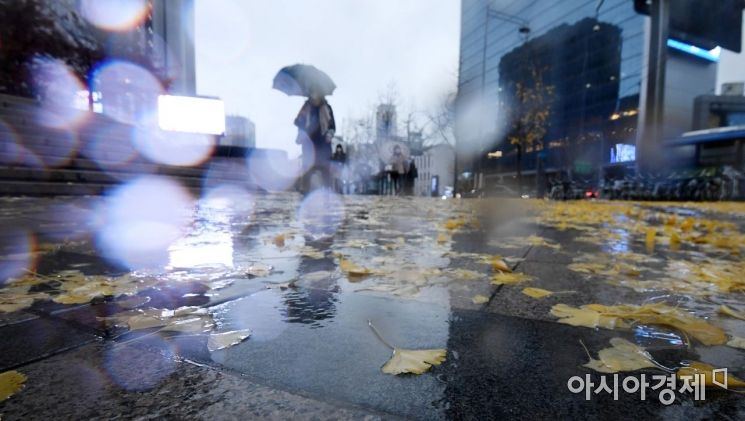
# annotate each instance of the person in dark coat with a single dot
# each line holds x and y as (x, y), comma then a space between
(316, 128)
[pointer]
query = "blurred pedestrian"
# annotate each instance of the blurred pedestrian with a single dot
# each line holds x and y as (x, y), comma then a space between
(339, 159)
(316, 127)
(398, 169)
(411, 175)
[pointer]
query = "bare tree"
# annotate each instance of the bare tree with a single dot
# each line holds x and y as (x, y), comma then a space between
(531, 112)
(440, 128)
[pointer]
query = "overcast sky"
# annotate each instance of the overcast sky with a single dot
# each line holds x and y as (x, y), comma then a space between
(364, 45)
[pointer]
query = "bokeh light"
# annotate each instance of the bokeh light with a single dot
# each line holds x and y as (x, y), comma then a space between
(58, 88)
(230, 198)
(172, 148)
(12, 152)
(272, 171)
(321, 213)
(129, 92)
(140, 220)
(114, 15)
(16, 253)
(110, 146)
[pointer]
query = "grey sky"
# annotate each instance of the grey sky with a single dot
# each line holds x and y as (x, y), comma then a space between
(364, 45)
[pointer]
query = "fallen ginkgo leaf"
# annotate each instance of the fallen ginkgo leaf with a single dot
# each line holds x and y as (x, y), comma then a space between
(536, 292)
(621, 356)
(509, 278)
(736, 342)
(413, 361)
(626, 315)
(223, 340)
(697, 367)
(11, 382)
(352, 269)
(499, 265)
(723, 309)
(480, 299)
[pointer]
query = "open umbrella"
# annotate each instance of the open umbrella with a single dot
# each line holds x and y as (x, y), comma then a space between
(385, 151)
(303, 80)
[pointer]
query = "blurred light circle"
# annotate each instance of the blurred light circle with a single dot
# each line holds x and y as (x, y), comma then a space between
(16, 254)
(272, 170)
(12, 152)
(114, 15)
(224, 170)
(110, 146)
(141, 367)
(139, 221)
(229, 197)
(128, 91)
(60, 92)
(172, 148)
(54, 147)
(321, 212)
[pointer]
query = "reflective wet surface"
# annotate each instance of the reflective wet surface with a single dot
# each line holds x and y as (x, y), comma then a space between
(306, 274)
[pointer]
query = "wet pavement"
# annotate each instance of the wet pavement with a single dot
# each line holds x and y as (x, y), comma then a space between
(274, 264)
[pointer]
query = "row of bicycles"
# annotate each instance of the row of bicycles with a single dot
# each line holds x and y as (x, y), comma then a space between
(705, 184)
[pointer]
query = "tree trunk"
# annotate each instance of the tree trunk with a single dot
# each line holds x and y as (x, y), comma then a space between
(519, 169)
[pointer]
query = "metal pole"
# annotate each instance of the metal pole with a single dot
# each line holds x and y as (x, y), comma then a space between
(648, 150)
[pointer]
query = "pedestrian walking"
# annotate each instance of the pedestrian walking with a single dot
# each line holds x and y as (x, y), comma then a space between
(339, 159)
(398, 169)
(316, 127)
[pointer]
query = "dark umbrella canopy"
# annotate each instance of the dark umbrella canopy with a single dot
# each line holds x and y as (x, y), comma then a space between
(303, 80)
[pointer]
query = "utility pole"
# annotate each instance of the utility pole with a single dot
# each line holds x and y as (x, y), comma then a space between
(650, 139)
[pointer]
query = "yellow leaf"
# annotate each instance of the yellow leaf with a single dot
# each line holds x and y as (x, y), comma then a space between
(503, 278)
(649, 240)
(624, 316)
(696, 367)
(723, 309)
(536, 292)
(480, 299)
(413, 361)
(279, 240)
(621, 356)
(352, 269)
(11, 382)
(442, 238)
(259, 270)
(222, 340)
(674, 241)
(736, 342)
(454, 224)
(499, 265)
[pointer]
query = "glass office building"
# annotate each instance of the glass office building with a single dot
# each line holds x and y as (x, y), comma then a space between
(557, 85)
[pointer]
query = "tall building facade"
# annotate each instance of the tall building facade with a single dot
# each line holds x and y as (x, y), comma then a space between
(556, 86)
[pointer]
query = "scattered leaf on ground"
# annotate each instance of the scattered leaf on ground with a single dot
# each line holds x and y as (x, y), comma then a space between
(11, 382)
(413, 361)
(222, 340)
(509, 278)
(621, 356)
(259, 270)
(351, 269)
(696, 367)
(480, 299)
(624, 316)
(536, 292)
(499, 265)
(279, 240)
(736, 342)
(723, 309)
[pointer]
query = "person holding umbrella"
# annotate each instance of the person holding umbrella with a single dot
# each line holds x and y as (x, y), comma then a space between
(315, 121)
